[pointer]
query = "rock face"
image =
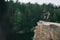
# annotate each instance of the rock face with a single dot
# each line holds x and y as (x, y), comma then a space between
(47, 31)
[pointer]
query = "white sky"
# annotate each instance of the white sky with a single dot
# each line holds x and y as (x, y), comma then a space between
(56, 2)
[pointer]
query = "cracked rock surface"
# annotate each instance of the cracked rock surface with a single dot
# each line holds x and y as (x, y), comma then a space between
(47, 32)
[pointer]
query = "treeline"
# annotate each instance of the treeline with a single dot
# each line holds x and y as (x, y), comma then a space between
(21, 18)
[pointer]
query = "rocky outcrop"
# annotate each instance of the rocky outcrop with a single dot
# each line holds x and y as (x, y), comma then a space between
(47, 31)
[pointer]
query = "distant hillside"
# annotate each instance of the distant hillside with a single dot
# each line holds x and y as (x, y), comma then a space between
(47, 31)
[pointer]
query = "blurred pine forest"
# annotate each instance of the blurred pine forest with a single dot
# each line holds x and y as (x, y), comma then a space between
(17, 20)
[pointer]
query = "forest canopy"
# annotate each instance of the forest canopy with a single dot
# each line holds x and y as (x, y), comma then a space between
(19, 17)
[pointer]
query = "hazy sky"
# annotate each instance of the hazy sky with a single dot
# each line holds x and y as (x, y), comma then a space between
(56, 2)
